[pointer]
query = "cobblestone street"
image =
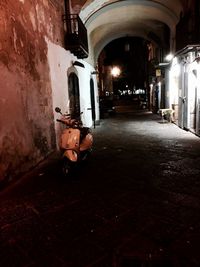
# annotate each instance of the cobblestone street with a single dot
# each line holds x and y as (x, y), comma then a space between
(135, 203)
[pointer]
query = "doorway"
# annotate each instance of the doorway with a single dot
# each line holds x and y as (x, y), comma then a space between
(92, 98)
(192, 100)
(74, 95)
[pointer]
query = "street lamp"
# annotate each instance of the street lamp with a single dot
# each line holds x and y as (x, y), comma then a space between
(115, 71)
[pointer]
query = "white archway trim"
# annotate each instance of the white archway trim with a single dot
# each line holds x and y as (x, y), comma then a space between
(141, 9)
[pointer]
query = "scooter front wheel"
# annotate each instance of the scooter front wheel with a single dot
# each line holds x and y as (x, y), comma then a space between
(66, 167)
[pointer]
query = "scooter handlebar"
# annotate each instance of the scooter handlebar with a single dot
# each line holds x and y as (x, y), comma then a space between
(65, 121)
(73, 123)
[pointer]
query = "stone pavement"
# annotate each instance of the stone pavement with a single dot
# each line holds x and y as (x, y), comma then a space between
(135, 203)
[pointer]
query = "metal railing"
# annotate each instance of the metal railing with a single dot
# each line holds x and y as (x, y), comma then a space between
(76, 36)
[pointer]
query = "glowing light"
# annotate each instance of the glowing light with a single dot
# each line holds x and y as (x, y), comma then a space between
(169, 57)
(115, 71)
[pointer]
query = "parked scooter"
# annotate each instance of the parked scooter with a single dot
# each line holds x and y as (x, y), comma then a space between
(75, 142)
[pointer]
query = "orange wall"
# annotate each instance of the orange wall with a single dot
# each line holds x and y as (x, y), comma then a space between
(26, 115)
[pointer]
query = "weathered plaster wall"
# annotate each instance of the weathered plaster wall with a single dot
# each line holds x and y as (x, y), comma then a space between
(27, 133)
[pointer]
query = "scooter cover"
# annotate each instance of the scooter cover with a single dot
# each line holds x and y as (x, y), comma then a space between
(70, 143)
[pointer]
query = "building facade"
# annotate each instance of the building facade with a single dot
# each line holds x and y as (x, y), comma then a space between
(37, 74)
(183, 72)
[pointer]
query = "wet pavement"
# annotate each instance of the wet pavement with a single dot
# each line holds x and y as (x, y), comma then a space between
(135, 203)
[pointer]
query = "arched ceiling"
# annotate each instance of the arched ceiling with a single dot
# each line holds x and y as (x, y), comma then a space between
(107, 20)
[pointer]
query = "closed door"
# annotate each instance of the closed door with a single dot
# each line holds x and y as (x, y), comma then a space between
(74, 95)
(92, 96)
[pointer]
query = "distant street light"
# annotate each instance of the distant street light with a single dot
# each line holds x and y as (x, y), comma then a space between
(115, 71)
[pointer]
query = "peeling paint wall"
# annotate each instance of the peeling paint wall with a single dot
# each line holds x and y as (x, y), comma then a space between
(27, 133)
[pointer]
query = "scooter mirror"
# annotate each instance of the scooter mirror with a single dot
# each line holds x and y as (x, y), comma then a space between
(58, 110)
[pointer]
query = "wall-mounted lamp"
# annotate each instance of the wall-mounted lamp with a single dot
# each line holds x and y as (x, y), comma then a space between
(79, 64)
(169, 57)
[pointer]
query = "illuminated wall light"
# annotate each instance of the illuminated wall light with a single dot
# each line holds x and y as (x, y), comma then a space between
(169, 57)
(174, 75)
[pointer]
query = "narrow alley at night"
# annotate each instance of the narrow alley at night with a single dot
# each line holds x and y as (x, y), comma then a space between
(136, 202)
(99, 133)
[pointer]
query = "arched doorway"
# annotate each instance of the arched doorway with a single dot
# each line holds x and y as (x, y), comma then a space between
(92, 98)
(74, 95)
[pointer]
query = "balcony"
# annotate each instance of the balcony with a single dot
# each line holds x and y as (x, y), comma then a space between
(76, 36)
